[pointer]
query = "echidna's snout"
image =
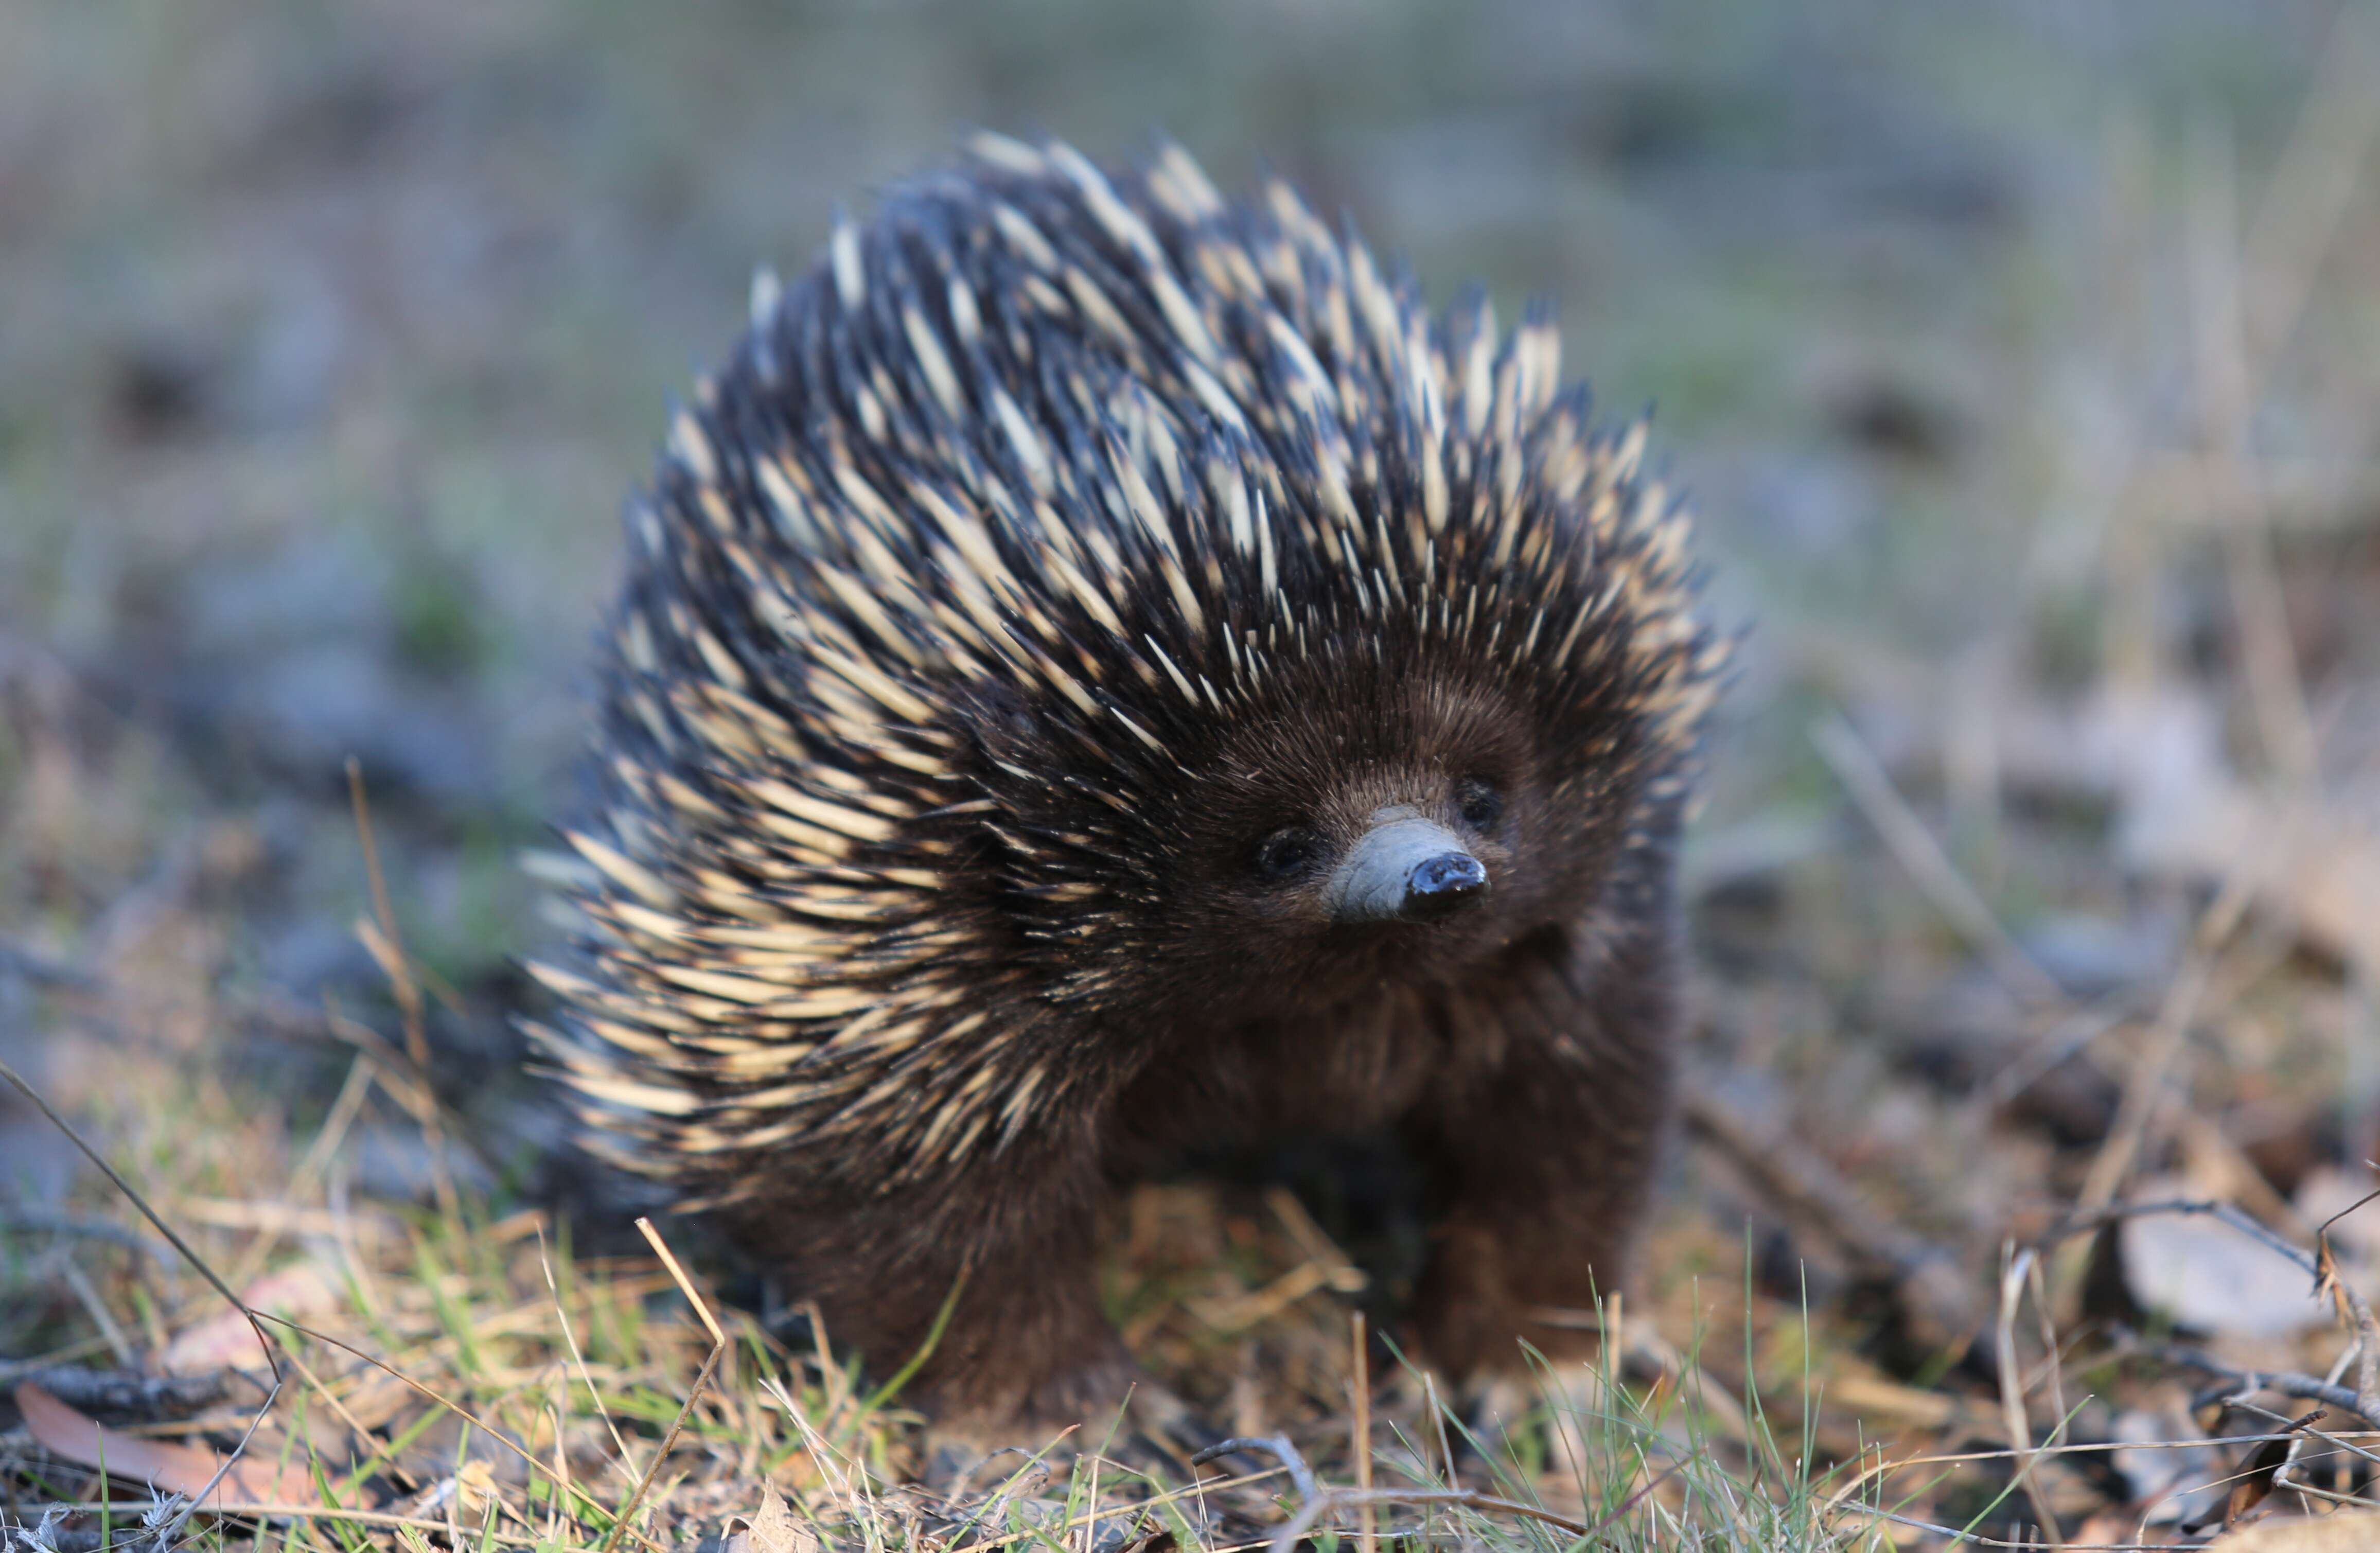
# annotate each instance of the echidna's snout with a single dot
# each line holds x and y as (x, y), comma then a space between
(1405, 869)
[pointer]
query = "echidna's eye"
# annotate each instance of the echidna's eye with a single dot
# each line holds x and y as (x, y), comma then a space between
(1480, 804)
(1287, 853)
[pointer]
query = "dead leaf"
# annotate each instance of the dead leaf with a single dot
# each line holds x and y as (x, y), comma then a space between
(2255, 1484)
(772, 1528)
(163, 1464)
(2344, 1532)
(225, 1338)
(473, 1486)
(2212, 1278)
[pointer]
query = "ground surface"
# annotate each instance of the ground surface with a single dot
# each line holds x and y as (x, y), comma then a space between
(2022, 359)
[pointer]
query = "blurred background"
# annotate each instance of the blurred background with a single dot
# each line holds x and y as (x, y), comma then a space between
(2024, 362)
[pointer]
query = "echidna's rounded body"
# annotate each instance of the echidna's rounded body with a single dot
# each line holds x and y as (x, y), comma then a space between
(1101, 672)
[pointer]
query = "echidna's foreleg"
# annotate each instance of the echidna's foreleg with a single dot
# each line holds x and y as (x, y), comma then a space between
(1007, 1247)
(1542, 1168)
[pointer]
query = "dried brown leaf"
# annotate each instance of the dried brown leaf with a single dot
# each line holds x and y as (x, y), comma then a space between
(2256, 1475)
(772, 1528)
(186, 1469)
(296, 1293)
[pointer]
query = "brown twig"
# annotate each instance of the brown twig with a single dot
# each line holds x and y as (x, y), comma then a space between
(2354, 1310)
(264, 1510)
(1964, 1538)
(2287, 1383)
(2083, 1223)
(131, 1393)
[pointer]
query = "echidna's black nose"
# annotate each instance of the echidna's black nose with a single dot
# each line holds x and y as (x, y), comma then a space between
(1405, 870)
(1444, 885)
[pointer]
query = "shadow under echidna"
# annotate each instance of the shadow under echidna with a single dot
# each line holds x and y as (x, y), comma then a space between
(1102, 673)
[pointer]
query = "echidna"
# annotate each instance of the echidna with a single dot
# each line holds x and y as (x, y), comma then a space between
(1103, 671)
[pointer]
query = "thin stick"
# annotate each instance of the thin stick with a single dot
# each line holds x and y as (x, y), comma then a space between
(2289, 1383)
(1362, 1381)
(2355, 1311)
(2014, 1265)
(694, 1394)
(560, 1406)
(2080, 1224)
(2319, 1265)
(1276, 1446)
(2052, 1356)
(1976, 1539)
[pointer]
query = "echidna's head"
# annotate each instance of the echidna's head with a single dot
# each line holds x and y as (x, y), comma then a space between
(1402, 833)
(1392, 812)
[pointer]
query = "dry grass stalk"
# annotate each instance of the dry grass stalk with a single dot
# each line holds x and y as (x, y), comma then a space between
(2016, 1266)
(381, 939)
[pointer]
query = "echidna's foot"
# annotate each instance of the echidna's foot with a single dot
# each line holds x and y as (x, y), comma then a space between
(1544, 1419)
